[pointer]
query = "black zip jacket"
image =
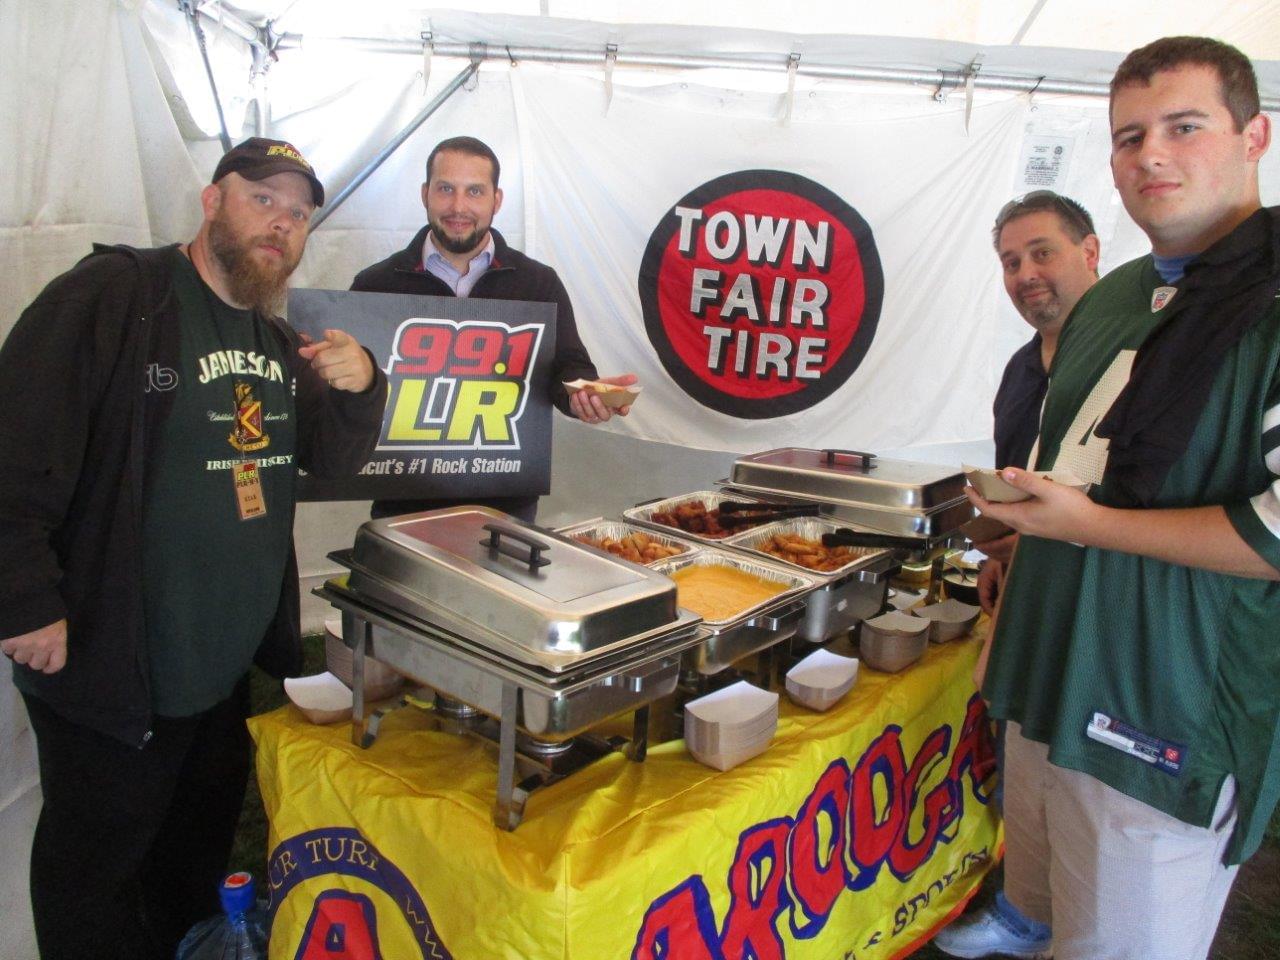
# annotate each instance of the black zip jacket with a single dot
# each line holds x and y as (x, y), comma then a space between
(511, 276)
(76, 436)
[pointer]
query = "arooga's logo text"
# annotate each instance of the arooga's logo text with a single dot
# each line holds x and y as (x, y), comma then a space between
(458, 385)
(761, 291)
(342, 923)
(850, 827)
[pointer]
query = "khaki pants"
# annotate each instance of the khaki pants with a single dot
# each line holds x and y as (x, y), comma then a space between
(1116, 879)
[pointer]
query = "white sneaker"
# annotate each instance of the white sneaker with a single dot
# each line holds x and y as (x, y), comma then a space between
(986, 935)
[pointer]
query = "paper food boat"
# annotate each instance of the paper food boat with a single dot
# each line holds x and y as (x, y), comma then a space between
(893, 641)
(730, 726)
(821, 679)
(322, 698)
(610, 395)
(996, 489)
(950, 619)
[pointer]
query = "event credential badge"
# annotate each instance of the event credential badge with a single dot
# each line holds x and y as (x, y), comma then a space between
(248, 490)
(247, 435)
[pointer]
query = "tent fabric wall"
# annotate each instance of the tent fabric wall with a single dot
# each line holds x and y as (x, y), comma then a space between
(111, 135)
(94, 155)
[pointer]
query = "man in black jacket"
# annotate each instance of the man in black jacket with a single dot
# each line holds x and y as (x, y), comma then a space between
(156, 412)
(458, 253)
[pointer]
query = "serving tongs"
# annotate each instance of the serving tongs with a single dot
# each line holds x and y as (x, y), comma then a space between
(736, 513)
(845, 537)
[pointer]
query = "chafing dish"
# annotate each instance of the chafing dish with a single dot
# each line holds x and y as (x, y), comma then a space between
(842, 597)
(526, 593)
(900, 497)
(545, 634)
(754, 629)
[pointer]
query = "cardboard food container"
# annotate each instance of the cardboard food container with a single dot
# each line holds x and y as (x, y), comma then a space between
(949, 619)
(380, 680)
(322, 698)
(893, 641)
(730, 726)
(821, 679)
(610, 395)
(995, 489)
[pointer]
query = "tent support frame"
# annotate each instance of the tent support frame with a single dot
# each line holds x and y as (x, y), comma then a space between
(367, 170)
(936, 80)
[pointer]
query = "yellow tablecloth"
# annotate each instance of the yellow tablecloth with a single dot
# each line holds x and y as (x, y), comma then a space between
(858, 833)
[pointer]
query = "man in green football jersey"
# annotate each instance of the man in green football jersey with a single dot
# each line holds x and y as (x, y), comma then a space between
(1135, 651)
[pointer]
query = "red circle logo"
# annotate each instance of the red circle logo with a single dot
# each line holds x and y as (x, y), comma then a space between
(761, 291)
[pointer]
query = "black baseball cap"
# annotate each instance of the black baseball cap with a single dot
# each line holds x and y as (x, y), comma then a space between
(258, 158)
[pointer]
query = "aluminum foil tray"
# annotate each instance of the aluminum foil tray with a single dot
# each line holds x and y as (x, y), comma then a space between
(602, 529)
(810, 528)
(643, 513)
(795, 585)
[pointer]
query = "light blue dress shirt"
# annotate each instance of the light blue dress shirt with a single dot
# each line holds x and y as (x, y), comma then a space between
(434, 262)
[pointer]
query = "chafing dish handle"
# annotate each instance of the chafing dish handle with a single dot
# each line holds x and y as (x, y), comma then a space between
(533, 557)
(777, 619)
(864, 459)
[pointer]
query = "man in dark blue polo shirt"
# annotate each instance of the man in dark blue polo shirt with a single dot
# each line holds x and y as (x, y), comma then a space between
(1049, 254)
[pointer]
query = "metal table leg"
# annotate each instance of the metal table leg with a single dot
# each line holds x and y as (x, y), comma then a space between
(640, 735)
(359, 727)
(508, 809)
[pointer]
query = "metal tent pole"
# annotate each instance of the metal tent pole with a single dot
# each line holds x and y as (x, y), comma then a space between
(941, 79)
(188, 7)
(367, 170)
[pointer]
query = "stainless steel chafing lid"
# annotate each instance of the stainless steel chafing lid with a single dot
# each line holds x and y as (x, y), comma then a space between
(540, 590)
(850, 476)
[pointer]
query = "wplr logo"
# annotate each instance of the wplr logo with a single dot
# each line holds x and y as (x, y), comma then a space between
(458, 385)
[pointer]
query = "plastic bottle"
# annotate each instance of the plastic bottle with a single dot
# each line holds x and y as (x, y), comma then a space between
(241, 932)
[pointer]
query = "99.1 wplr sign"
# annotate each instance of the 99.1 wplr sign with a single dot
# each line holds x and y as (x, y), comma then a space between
(468, 412)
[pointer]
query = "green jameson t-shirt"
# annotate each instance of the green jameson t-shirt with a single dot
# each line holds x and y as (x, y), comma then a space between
(212, 580)
(1119, 643)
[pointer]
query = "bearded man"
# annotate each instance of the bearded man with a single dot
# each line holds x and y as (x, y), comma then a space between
(156, 413)
(459, 254)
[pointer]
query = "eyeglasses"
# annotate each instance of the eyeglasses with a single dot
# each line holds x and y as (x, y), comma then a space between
(1072, 213)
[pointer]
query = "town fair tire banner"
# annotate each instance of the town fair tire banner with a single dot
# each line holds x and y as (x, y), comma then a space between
(761, 291)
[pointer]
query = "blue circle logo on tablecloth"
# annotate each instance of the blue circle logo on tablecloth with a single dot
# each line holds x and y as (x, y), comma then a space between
(343, 923)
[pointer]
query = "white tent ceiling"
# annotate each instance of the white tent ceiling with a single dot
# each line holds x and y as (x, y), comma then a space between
(1076, 40)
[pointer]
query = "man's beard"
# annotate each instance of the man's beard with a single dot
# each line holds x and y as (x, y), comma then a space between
(251, 283)
(1043, 314)
(464, 244)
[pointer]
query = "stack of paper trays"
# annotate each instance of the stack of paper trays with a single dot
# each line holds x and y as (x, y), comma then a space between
(821, 679)
(949, 619)
(380, 681)
(732, 725)
(322, 698)
(893, 641)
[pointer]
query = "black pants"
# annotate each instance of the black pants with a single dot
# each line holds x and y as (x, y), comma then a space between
(131, 844)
